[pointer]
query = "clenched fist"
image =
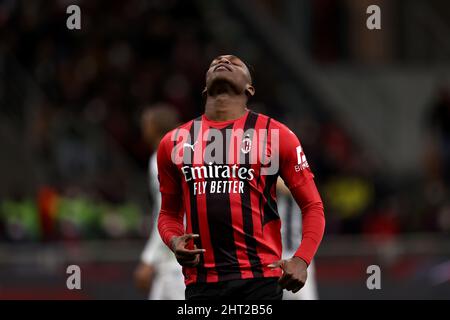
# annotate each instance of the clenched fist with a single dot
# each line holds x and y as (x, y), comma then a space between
(294, 273)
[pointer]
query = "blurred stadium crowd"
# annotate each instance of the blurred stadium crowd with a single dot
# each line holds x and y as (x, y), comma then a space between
(83, 167)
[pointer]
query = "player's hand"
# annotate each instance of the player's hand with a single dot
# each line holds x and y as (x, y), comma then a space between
(186, 257)
(294, 273)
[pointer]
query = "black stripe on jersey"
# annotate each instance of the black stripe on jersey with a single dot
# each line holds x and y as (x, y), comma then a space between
(263, 155)
(193, 134)
(221, 231)
(247, 213)
(270, 207)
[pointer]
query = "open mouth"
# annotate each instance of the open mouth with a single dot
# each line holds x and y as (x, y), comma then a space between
(222, 67)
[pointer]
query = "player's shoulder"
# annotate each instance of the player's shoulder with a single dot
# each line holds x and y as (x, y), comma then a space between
(259, 115)
(276, 124)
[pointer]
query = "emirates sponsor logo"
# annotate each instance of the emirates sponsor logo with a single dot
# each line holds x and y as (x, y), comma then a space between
(212, 171)
(221, 178)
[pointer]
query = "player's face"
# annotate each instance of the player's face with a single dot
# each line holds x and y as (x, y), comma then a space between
(231, 69)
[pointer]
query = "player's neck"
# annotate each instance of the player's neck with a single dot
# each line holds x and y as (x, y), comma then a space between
(225, 107)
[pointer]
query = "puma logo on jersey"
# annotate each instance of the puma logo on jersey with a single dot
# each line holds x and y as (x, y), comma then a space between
(190, 145)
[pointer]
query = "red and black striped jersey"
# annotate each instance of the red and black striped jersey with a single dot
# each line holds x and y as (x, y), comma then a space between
(226, 174)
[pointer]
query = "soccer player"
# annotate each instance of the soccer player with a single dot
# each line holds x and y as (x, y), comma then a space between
(221, 169)
(158, 273)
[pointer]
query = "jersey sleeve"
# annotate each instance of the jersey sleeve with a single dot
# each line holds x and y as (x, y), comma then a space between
(294, 168)
(297, 175)
(168, 175)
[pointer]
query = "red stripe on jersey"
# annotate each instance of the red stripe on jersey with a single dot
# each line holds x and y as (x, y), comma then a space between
(208, 256)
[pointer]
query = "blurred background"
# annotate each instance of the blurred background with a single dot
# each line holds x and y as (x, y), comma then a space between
(371, 107)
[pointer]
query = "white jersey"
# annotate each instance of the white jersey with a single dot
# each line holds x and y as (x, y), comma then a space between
(291, 230)
(168, 283)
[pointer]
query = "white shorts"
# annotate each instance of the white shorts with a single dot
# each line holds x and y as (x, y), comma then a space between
(168, 283)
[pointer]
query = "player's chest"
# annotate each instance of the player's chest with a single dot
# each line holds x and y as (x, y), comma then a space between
(224, 160)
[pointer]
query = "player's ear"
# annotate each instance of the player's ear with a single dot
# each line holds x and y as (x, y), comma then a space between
(250, 90)
(204, 92)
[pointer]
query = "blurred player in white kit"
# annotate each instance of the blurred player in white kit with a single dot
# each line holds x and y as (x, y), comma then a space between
(159, 273)
(291, 230)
